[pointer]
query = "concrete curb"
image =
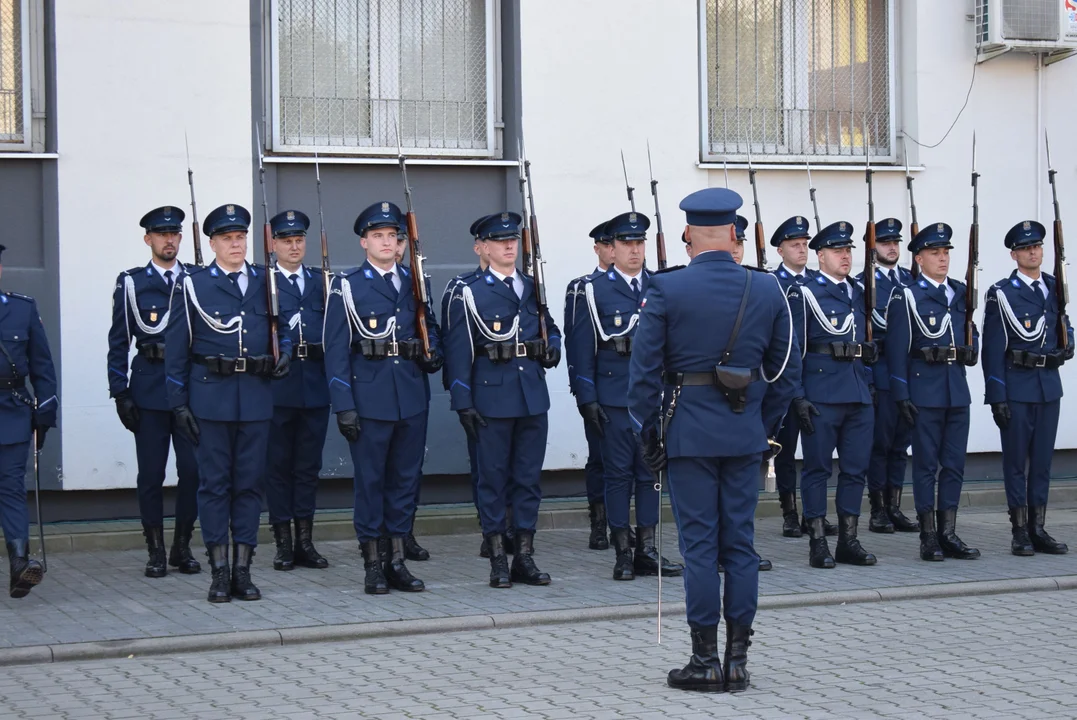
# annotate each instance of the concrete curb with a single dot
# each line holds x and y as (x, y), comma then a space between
(68, 652)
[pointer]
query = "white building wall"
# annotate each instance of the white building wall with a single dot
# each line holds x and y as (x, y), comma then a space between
(130, 77)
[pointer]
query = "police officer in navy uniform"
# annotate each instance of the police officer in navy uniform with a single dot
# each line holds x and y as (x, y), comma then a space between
(377, 369)
(715, 339)
(300, 399)
(140, 312)
(218, 366)
(24, 352)
(791, 240)
(600, 346)
(1021, 357)
(593, 469)
(834, 403)
(927, 357)
(889, 452)
(496, 362)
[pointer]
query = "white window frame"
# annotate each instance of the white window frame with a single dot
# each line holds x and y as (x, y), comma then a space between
(26, 81)
(759, 151)
(494, 125)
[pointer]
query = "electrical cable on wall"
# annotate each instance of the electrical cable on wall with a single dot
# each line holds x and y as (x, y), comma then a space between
(968, 95)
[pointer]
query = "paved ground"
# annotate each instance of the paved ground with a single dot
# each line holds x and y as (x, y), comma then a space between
(103, 595)
(988, 657)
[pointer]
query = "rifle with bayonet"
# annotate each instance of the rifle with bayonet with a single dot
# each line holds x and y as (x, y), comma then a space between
(415, 256)
(811, 194)
(971, 291)
(537, 273)
(196, 231)
(628, 188)
(914, 228)
(272, 299)
(525, 231)
(1062, 288)
(660, 236)
(327, 274)
(760, 241)
(868, 278)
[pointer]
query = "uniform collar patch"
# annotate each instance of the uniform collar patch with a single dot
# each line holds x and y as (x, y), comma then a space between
(3, 299)
(878, 273)
(1016, 283)
(611, 275)
(402, 270)
(214, 272)
(149, 272)
(783, 273)
(489, 279)
(821, 280)
(254, 273)
(367, 274)
(923, 283)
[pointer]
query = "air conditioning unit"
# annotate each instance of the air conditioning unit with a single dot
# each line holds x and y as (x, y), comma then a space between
(1043, 27)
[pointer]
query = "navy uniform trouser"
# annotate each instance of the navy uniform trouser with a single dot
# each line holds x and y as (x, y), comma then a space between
(231, 463)
(785, 464)
(714, 501)
(473, 460)
(1029, 442)
(388, 459)
(940, 439)
(510, 452)
(593, 469)
(624, 470)
(296, 440)
(889, 452)
(847, 428)
(13, 514)
(156, 432)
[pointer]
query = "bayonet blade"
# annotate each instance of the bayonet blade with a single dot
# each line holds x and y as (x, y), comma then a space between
(650, 169)
(317, 170)
(807, 164)
(905, 147)
(1047, 143)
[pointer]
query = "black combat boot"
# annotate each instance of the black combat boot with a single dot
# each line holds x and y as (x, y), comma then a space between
(790, 525)
(880, 517)
(180, 555)
(510, 540)
(412, 549)
(764, 565)
(623, 567)
(1041, 541)
(524, 569)
(828, 529)
(598, 539)
(901, 522)
(396, 572)
(374, 583)
(304, 552)
(242, 587)
(499, 563)
(1021, 544)
(646, 560)
(385, 549)
(951, 544)
(157, 565)
(282, 539)
(220, 574)
(703, 673)
(818, 549)
(929, 539)
(25, 571)
(848, 550)
(737, 677)
(484, 552)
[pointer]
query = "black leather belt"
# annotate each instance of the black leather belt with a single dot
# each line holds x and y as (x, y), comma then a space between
(259, 365)
(308, 351)
(154, 352)
(939, 354)
(380, 349)
(621, 345)
(840, 350)
(1024, 359)
(699, 378)
(508, 351)
(12, 382)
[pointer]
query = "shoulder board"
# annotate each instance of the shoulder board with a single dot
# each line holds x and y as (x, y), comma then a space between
(20, 296)
(193, 269)
(350, 271)
(756, 270)
(473, 279)
(134, 270)
(670, 269)
(1000, 284)
(859, 284)
(957, 284)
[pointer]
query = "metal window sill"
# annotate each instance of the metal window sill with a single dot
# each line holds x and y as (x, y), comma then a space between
(28, 156)
(799, 165)
(337, 160)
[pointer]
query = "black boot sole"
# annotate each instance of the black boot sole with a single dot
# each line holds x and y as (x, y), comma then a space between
(932, 558)
(500, 584)
(534, 582)
(186, 570)
(155, 573)
(737, 686)
(218, 599)
(417, 557)
(240, 596)
(765, 566)
(1022, 551)
(961, 555)
(698, 687)
(1048, 550)
(792, 533)
(282, 566)
(604, 545)
(856, 561)
(824, 564)
(883, 529)
(312, 564)
(406, 588)
(26, 582)
(376, 591)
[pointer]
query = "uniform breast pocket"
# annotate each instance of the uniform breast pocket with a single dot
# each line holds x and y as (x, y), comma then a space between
(152, 309)
(498, 322)
(615, 321)
(15, 344)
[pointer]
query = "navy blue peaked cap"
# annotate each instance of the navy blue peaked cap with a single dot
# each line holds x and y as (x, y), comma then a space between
(628, 226)
(834, 235)
(289, 223)
(226, 218)
(888, 230)
(167, 219)
(1025, 234)
(499, 226)
(742, 225)
(711, 207)
(795, 227)
(379, 215)
(599, 234)
(935, 235)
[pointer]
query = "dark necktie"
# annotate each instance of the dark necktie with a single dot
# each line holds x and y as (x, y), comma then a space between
(294, 280)
(168, 279)
(1036, 287)
(389, 281)
(234, 277)
(635, 287)
(508, 282)
(893, 276)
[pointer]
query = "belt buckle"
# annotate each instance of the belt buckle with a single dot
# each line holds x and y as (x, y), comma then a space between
(521, 350)
(393, 350)
(1041, 361)
(951, 354)
(301, 350)
(240, 365)
(859, 352)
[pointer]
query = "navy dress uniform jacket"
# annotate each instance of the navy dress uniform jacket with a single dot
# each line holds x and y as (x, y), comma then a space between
(27, 355)
(497, 390)
(302, 319)
(884, 290)
(387, 389)
(209, 296)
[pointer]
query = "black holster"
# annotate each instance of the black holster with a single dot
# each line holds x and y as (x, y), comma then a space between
(733, 383)
(621, 345)
(375, 349)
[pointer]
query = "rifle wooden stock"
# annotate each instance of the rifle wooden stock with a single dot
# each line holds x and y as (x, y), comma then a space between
(970, 282)
(196, 235)
(540, 282)
(869, 279)
(660, 245)
(525, 243)
(271, 293)
(914, 267)
(326, 272)
(760, 247)
(1062, 289)
(418, 282)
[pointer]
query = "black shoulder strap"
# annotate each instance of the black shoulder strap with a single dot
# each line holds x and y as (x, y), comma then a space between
(740, 318)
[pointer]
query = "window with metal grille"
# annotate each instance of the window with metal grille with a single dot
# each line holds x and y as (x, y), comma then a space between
(364, 76)
(14, 61)
(788, 80)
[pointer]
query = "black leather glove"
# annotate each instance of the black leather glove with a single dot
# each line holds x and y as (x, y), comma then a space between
(654, 452)
(967, 355)
(41, 430)
(804, 411)
(472, 421)
(1067, 354)
(552, 357)
(283, 363)
(348, 424)
(186, 424)
(869, 352)
(1001, 413)
(128, 411)
(595, 417)
(432, 364)
(907, 411)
